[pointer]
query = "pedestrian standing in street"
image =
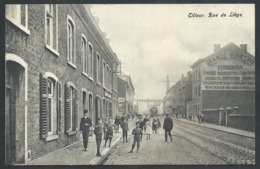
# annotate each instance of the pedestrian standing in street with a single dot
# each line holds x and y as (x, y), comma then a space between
(167, 126)
(85, 124)
(144, 122)
(158, 122)
(154, 125)
(117, 123)
(137, 132)
(109, 132)
(98, 132)
(141, 126)
(148, 129)
(124, 127)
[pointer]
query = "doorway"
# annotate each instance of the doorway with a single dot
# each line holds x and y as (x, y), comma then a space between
(14, 114)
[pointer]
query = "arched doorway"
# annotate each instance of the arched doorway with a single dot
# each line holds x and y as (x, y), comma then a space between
(15, 110)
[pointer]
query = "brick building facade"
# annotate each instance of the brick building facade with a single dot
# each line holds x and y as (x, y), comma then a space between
(223, 87)
(58, 63)
(125, 95)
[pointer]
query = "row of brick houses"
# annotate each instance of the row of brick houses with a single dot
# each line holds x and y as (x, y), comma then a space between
(58, 63)
(221, 88)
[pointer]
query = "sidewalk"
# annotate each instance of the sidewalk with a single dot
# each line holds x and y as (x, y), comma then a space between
(74, 154)
(221, 128)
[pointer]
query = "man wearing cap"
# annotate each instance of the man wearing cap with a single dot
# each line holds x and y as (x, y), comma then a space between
(167, 126)
(85, 124)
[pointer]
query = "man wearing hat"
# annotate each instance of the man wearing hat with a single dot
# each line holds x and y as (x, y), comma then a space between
(167, 126)
(85, 124)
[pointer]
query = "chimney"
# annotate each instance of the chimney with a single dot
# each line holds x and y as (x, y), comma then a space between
(216, 47)
(244, 47)
(188, 73)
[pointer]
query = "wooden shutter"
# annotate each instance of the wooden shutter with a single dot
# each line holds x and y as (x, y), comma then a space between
(75, 113)
(59, 107)
(67, 108)
(44, 106)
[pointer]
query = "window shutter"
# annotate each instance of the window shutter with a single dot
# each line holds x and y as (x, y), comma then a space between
(76, 110)
(67, 108)
(59, 107)
(44, 106)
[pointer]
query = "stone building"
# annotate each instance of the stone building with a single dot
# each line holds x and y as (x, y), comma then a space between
(58, 63)
(223, 87)
(125, 95)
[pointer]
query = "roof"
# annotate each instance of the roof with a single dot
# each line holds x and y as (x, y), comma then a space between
(229, 47)
(127, 79)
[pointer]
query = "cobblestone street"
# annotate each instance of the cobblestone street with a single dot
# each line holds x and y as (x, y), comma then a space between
(186, 148)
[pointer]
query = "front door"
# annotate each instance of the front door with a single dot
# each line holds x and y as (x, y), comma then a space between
(14, 114)
(10, 139)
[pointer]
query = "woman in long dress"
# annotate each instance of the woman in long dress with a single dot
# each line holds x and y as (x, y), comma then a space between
(154, 125)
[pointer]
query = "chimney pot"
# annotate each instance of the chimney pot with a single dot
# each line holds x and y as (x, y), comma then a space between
(243, 47)
(216, 47)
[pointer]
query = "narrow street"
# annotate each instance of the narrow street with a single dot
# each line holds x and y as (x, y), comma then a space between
(191, 145)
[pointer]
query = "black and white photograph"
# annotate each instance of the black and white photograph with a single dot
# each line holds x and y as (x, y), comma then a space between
(129, 84)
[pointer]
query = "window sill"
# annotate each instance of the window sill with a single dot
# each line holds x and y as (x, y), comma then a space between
(114, 90)
(51, 137)
(71, 133)
(90, 78)
(72, 65)
(98, 83)
(84, 73)
(52, 50)
(20, 26)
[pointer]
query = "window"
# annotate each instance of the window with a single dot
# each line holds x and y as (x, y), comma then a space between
(51, 27)
(84, 101)
(84, 54)
(103, 74)
(107, 78)
(18, 15)
(98, 68)
(50, 106)
(110, 79)
(70, 108)
(91, 106)
(199, 90)
(90, 60)
(71, 42)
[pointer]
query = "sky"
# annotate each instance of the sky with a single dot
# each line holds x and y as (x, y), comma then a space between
(156, 40)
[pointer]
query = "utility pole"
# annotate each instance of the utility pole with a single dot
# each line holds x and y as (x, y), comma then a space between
(168, 83)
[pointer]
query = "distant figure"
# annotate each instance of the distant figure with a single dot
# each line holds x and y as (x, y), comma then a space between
(141, 125)
(154, 125)
(85, 124)
(124, 127)
(167, 126)
(144, 122)
(202, 117)
(109, 132)
(117, 123)
(158, 122)
(98, 132)
(137, 132)
(148, 129)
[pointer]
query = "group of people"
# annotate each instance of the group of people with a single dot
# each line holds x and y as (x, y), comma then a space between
(107, 127)
(143, 126)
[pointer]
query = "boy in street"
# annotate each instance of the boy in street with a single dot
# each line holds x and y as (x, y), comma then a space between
(124, 127)
(109, 132)
(137, 132)
(167, 126)
(98, 132)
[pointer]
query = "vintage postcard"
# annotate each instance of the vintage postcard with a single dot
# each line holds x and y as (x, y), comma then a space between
(129, 84)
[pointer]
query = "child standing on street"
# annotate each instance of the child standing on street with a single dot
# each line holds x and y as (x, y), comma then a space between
(98, 132)
(137, 132)
(109, 132)
(148, 129)
(124, 127)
